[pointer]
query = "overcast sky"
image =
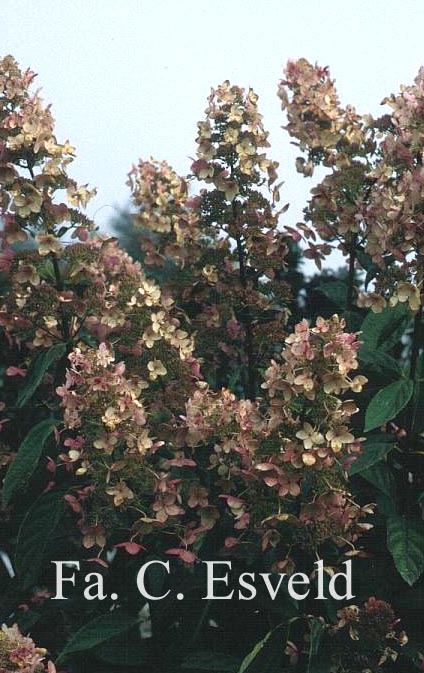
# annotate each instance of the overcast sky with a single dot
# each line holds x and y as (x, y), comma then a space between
(130, 79)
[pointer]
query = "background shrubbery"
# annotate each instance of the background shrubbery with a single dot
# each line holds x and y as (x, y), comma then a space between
(202, 399)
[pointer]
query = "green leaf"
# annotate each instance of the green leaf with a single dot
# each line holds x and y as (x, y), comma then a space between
(380, 362)
(353, 321)
(26, 460)
(97, 631)
(405, 540)
(380, 476)
(123, 653)
(155, 576)
(328, 605)
(335, 291)
(37, 370)
(211, 660)
(388, 402)
(26, 620)
(371, 274)
(267, 655)
(384, 330)
(417, 416)
(35, 534)
(374, 449)
(315, 663)
(365, 260)
(386, 505)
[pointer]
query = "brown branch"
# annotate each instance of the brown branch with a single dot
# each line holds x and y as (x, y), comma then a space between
(56, 269)
(415, 344)
(251, 382)
(351, 273)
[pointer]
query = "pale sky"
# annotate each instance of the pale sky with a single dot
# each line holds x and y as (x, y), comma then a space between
(130, 79)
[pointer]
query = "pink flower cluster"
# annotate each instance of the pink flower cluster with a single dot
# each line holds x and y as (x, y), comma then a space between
(19, 654)
(372, 200)
(263, 449)
(161, 197)
(375, 635)
(230, 142)
(128, 453)
(33, 166)
(228, 232)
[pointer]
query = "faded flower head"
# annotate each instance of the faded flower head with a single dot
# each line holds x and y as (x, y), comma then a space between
(18, 653)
